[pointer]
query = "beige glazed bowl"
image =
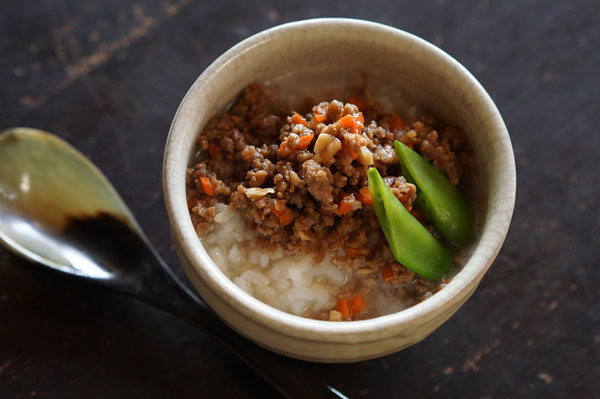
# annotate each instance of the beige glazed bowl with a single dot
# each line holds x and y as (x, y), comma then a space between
(319, 55)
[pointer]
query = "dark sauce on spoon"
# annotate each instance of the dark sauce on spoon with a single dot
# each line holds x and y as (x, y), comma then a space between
(106, 240)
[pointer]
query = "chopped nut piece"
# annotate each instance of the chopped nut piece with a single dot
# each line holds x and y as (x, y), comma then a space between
(334, 315)
(365, 156)
(326, 147)
(256, 192)
(363, 272)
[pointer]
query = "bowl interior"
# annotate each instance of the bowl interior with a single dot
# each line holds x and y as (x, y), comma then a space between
(320, 57)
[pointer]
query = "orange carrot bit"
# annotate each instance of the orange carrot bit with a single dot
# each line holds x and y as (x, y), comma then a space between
(284, 215)
(206, 186)
(364, 196)
(352, 123)
(396, 123)
(343, 208)
(281, 149)
(357, 102)
(359, 123)
(304, 142)
(319, 117)
(347, 122)
(298, 119)
(343, 308)
(213, 150)
(387, 273)
(360, 118)
(357, 251)
(404, 199)
(357, 305)
(352, 252)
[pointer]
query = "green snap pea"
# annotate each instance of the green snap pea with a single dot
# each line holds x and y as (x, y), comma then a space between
(410, 242)
(439, 200)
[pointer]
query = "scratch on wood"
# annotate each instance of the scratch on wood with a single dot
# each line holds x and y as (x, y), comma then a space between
(173, 9)
(87, 64)
(31, 102)
(67, 28)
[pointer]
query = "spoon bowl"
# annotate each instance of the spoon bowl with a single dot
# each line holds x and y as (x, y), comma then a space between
(50, 197)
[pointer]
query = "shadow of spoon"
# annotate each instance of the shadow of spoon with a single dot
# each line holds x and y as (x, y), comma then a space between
(59, 210)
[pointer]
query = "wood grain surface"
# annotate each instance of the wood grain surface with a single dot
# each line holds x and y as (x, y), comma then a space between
(108, 76)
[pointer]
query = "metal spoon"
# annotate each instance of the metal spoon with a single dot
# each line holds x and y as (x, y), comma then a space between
(59, 210)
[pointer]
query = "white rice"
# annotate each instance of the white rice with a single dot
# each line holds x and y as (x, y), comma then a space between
(292, 283)
(289, 283)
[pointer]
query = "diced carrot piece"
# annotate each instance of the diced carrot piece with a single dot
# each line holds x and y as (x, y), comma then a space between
(359, 123)
(364, 196)
(357, 305)
(298, 119)
(352, 123)
(357, 251)
(343, 208)
(357, 102)
(284, 215)
(206, 186)
(281, 150)
(404, 198)
(396, 123)
(387, 273)
(360, 118)
(353, 252)
(347, 122)
(343, 308)
(304, 142)
(213, 150)
(319, 117)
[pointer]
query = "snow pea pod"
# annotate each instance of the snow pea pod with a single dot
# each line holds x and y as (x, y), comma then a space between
(410, 242)
(439, 200)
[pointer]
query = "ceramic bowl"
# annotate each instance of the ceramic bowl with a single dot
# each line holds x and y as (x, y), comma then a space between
(319, 54)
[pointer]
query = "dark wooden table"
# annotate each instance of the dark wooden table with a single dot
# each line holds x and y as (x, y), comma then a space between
(108, 77)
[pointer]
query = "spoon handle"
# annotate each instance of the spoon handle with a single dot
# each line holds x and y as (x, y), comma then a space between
(157, 284)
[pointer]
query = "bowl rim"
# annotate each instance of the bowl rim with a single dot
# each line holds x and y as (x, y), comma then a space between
(354, 331)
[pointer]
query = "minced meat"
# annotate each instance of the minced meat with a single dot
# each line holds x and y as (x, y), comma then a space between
(298, 178)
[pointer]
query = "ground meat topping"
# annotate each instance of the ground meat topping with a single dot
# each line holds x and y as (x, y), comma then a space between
(298, 178)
